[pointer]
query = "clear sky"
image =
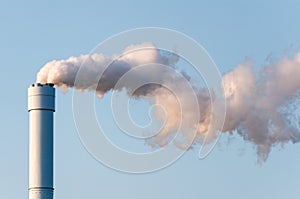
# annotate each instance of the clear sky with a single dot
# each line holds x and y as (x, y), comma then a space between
(35, 32)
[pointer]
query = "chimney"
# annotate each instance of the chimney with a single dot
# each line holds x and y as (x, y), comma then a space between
(41, 106)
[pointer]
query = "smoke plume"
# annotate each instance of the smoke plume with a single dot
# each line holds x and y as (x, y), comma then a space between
(257, 102)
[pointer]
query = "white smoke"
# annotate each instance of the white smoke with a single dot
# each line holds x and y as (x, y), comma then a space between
(255, 101)
(63, 73)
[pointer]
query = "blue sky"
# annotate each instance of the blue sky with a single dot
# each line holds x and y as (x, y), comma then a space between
(35, 32)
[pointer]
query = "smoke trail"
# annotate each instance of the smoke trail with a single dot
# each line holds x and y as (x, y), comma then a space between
(254, 101)
(63, 72)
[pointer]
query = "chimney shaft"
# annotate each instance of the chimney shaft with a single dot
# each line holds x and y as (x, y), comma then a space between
(41, 106)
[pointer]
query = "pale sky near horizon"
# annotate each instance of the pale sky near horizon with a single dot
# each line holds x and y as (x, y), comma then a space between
(35, 32)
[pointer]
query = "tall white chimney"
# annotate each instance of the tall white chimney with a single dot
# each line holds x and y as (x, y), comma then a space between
(41, 106)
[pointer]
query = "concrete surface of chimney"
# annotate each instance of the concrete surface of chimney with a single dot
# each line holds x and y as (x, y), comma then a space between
(41, 106)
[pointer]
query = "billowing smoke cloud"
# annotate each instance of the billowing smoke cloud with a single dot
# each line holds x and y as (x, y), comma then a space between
(254, 101)
(63, 72)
